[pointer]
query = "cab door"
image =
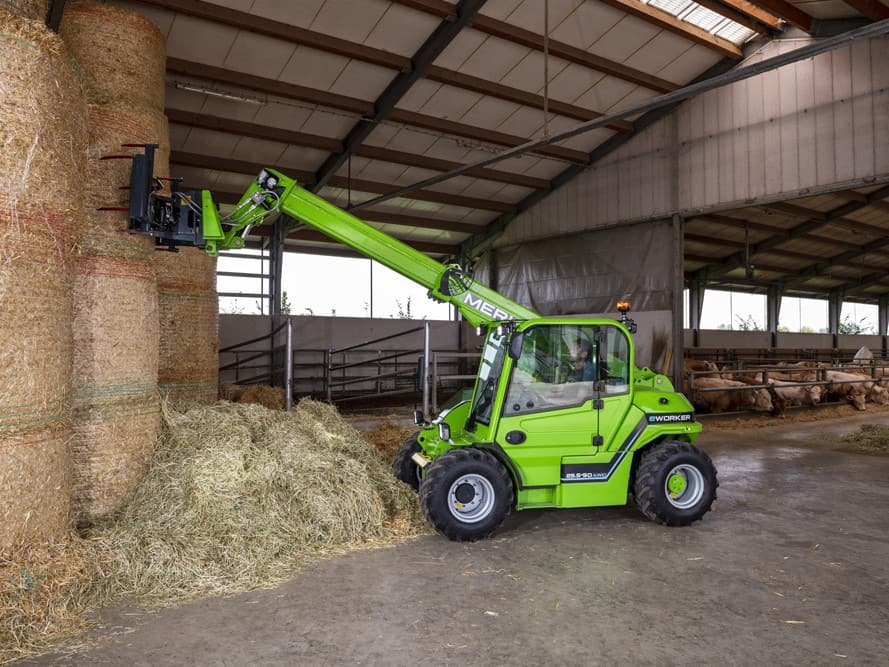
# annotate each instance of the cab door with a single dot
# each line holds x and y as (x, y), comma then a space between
(548, 410)
(567, 397)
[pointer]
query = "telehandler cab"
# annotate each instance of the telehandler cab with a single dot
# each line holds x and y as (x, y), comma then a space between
(559, 416)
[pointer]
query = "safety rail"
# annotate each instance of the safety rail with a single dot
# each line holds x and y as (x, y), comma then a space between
(879, 373)
(277, 367)
(352, 374)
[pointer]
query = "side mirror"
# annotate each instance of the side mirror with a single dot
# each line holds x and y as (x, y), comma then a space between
(515, 345)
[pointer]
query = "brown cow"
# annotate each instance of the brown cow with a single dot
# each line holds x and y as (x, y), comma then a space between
(850, 387)
(796, 393)
(733, 399)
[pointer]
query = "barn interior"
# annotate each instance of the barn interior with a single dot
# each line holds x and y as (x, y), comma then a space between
(193, 470)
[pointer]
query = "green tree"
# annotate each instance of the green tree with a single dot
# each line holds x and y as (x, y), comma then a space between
(849, 326)
(285, 303)
(747, 323)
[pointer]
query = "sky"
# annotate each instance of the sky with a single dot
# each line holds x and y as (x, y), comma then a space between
(319, 285)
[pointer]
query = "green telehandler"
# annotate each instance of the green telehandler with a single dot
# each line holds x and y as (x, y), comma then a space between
(560, 416)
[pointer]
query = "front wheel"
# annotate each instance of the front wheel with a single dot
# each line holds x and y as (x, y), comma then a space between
(675, 483)
(403, 466)
(466, 494)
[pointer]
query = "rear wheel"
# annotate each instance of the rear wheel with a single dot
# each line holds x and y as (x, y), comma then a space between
(675, 483)
(466, 494)
(403, 467)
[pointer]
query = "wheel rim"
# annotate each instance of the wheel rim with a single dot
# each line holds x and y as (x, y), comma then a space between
(471, 498)
(684, 486)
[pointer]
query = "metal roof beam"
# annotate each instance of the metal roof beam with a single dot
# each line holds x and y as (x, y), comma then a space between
(790, 13)
(257, 131)
(872, 9)
(758, 14)
(802, 275)
(532, 40)
(313, 96)
(409, 68)
(420, 66)
(807, 227)
(663, 102)
(668, 22)
(359, 185)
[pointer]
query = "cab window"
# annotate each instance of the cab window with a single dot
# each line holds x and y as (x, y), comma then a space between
(566, 365)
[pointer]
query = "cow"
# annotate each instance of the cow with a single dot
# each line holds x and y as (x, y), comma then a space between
(851, 386)
(798, 394)
(732, 399)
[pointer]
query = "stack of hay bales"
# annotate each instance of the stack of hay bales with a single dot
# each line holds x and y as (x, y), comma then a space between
(122, 57)
(189, 327)
(29, 9)
(42, 150)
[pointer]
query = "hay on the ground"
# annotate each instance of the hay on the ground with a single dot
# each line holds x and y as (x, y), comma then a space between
(388, 436)
(43, 597)
(868, 439)
(238, 496)
(270, 397)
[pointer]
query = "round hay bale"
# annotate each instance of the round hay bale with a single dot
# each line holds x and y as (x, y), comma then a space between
(31, 9)
(116, 411)
(188, 373)
(107, 180)
(42, 155)
(122, 55)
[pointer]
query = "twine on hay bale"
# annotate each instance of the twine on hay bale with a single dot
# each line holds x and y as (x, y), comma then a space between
(122, 55)
(116, 411)
(189, 326)
(31, 9)
(42, 150)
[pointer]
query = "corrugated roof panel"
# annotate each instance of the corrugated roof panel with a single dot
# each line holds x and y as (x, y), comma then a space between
(201, 41)
(418, 95)
(411, 140)
(375, 170)
(209, 142)
(450, 102)
(261, 150)
(588, 22)
(485, 190)
(289, 116)
(494, 59)
(349, 19)
(300, 157)
(500, 9)
(689, 65)
(624, 39)
(572, 82)
(605, 94)
(527, 74)
(328, 124)
(529, 14)
(225, 108)
(460, 48)
(313, 68)
(402, 30)
(489, 112)
(588, 141)
(362, 80)
(259, 55)
(664, 48)
(300, 13)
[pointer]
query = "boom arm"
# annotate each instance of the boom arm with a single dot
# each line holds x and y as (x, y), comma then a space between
(273, 192)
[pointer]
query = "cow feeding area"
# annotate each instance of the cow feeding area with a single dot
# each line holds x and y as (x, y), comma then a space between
(236, 497)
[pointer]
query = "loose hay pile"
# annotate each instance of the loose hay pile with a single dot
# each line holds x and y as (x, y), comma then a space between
(269, 397)
(868, 439)
(236, 497)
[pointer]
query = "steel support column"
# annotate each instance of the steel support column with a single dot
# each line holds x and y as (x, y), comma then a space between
(773, 312)
(883, 320)
(695, 308)
(678, 282)
(834, 308)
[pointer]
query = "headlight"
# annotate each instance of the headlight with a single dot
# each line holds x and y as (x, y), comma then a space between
(444, 431)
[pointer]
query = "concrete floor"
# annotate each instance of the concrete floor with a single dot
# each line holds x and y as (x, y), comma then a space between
(791, 568)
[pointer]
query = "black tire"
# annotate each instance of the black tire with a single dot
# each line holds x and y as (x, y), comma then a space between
(405, 469)
(466, 494)
(675, 483)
